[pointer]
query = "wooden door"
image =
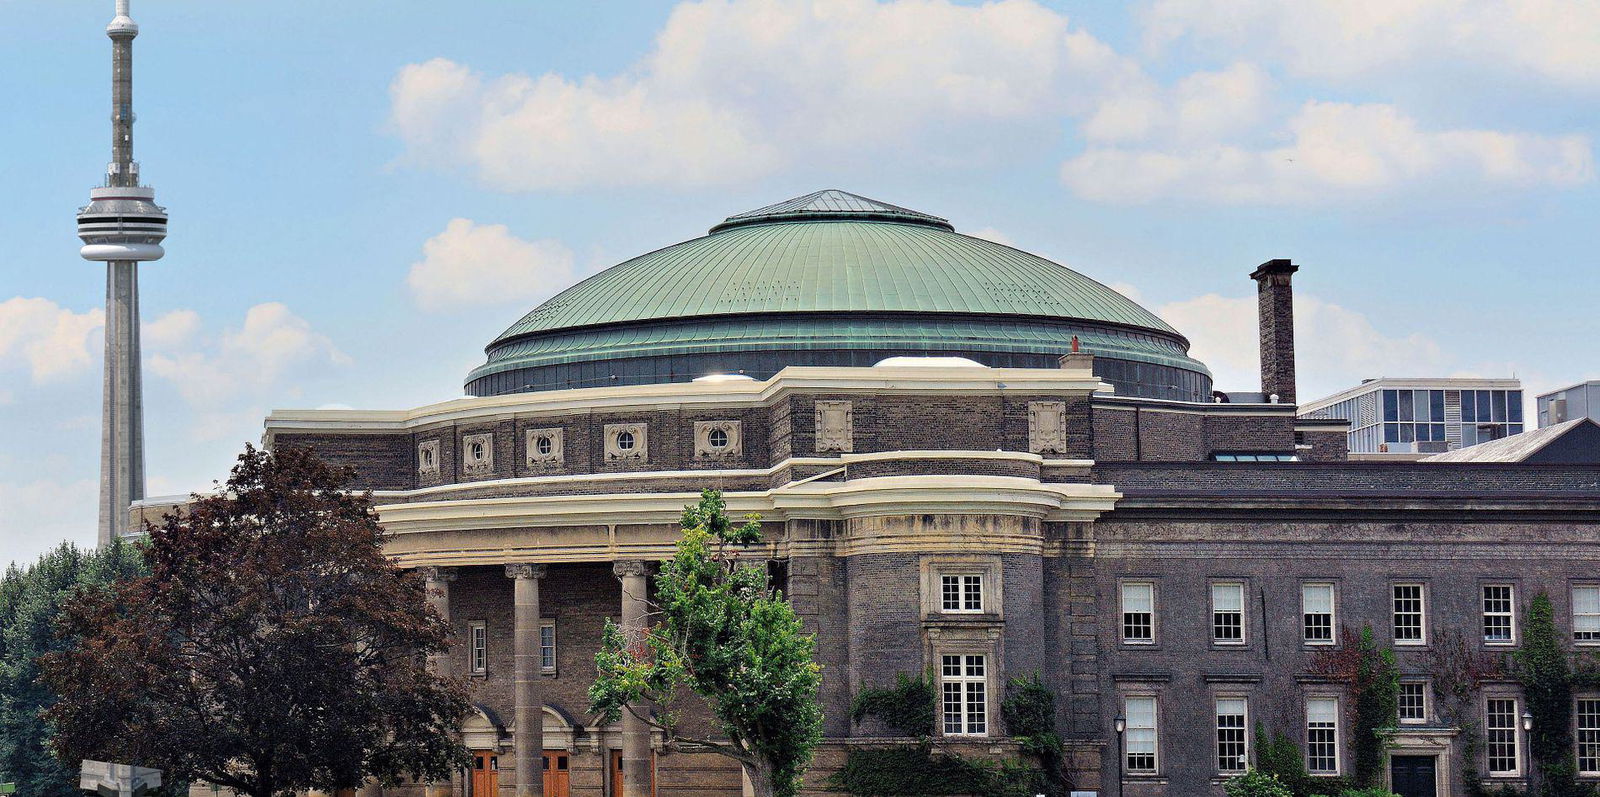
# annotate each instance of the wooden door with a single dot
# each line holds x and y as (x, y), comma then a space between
(1414, 775)
(557, 778)
(485, 774)
(616, 774)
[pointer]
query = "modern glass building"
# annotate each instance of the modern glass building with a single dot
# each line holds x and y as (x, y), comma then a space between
(1578, 401)
(1423, 416)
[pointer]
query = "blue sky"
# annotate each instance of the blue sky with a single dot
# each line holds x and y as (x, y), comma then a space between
(363, 194)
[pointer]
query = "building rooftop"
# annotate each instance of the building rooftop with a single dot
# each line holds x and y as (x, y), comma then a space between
(1411, 383)
(1575, 442)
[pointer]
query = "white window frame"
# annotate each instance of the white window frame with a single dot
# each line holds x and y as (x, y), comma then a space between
(1576, 615)
(967, 586)
(1510, 613)
(549, 623)
(1338, 752)
(1489, 739)
(1244, 635)
(1332, 613)
(1422, 614)
(477, 647)
(968, 722)
(1594, 734)
(1423, 687)
(1243, 730)
(1122, 612)
(1154, 730)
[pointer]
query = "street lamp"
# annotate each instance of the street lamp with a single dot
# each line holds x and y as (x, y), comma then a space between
(1121, 724)
(1527, 720)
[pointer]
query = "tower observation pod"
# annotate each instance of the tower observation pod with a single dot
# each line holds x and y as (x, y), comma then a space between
(122, 226)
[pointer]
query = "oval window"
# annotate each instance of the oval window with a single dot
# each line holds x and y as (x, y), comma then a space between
(718, 438)
(545, 445)
(624, 441)
(477, 452)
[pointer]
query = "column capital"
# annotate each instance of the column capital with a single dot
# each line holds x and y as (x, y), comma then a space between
(440, 574)
(526, 570)
(630, 567)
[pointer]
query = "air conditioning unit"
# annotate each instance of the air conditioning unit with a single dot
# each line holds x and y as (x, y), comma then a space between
(1558, 411)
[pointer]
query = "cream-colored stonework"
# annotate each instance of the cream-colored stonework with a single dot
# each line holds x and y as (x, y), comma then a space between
(635, 434)
(428, 460)
(835, 426)
(706, 448)
(553, 440)
(477, 454)
(1047, 427)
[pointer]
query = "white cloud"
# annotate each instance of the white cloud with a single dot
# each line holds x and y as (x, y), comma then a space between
(40, 514)
(242, 362)
(992, 234)
(1334, 345)
(1550, 40)
(170, 331)
(1204, 106)
(735, 89)
(1337, 152)
(51, 340)
(471, 265)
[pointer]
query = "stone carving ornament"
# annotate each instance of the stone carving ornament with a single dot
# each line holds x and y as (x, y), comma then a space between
(477, 453)
(428, 459)
(545, 448)
(1047, 427)
(714, 439)
(627, 441)
(834, 426)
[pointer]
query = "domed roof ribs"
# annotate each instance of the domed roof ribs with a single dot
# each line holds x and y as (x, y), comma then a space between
(831, 204)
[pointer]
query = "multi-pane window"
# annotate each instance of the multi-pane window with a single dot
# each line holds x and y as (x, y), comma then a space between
(1412, 701)
(1138, 612)
(1500, 735)
(1140, 739)
(547, 645)
(1232, 746)
(1409, 614)
(964, 682)
(1316, 610)
(1490, 415)
(1497, 614)
(1322, 735)
(1586, 614)
(1227, 613)
(1588, 713)
(478, 647)
(961, 593)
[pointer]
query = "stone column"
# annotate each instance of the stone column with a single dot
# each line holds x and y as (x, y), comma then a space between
(437, 581)
(636, 764)
(528, 693)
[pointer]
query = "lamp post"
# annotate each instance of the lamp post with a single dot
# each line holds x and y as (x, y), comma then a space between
(1533, 773)
(1121, 724)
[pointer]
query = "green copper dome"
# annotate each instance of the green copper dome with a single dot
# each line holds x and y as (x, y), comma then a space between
(826, 272)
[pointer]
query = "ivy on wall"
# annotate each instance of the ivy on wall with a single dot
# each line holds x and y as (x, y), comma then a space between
(907, 708)
(1374, 680)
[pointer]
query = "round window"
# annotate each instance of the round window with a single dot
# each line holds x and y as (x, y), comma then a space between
(718, 438)
(477, 452)
(545, 445)
(624, 441)
(427, 457)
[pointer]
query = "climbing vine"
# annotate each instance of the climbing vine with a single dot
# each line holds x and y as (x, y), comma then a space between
(1374, 679)
(907, 708)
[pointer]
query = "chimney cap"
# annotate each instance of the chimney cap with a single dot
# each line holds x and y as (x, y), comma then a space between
(1277, 266)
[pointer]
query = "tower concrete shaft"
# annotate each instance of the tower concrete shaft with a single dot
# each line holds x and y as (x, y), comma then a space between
(122, 226)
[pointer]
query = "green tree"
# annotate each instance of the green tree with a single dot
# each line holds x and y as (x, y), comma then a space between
(721, 631)
(30, 602)
(272, 648)
(1256, 783)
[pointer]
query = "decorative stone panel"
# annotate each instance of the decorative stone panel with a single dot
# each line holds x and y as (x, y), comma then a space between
(627, 441)
(1047, 427)
(835, 431)
(546, 448)
(717, 439)
(428, 460)
(477, 454)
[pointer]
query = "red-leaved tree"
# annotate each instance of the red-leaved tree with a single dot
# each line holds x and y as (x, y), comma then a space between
(272, 647)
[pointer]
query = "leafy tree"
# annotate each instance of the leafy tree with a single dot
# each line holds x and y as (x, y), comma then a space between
(30, 601)
(272, 648)
(721, 631)
(1256, 783)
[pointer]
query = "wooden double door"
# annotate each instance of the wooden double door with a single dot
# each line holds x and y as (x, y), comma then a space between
(486, 774)
(616, 774)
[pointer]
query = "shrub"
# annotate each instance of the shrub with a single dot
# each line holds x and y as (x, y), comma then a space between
(1256, 783)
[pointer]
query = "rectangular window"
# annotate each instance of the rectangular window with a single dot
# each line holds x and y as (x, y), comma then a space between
(1316, 609)
(1588, 713)
(1586, 614)
(1410, 625)
(1412, 701)
(961, 593)
(1233, 753)
(547, 645)
(1498, 622)
(964, 682)
(1227, 614)
(478, 647)
(1500, 735)
(1322, 735)
(1141, 735)
(1138, 612)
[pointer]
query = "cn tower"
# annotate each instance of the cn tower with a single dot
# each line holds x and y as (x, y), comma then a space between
(121, 227)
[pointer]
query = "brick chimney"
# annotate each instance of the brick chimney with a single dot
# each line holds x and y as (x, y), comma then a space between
(1275, 303)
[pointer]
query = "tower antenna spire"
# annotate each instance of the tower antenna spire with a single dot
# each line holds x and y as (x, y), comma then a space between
(122, 227)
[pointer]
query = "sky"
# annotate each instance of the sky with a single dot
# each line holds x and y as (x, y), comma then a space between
(363, 194)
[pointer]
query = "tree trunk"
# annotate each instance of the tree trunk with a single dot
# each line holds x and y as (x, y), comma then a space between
(760, 777)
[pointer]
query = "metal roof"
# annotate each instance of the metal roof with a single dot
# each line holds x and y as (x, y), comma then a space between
(1516, 448)
(839, 262)
(830, 204)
